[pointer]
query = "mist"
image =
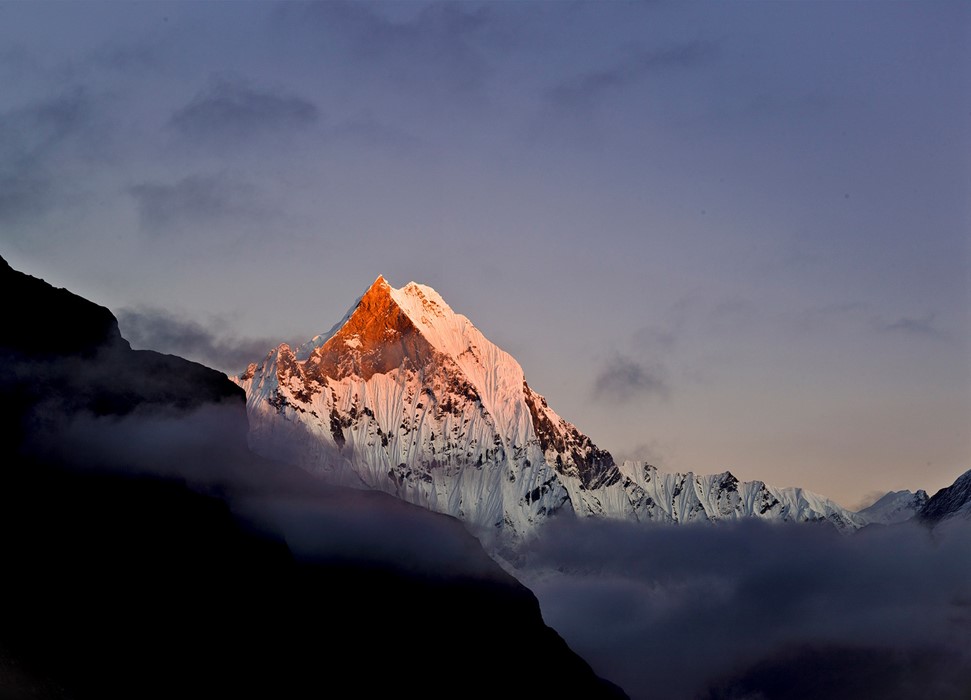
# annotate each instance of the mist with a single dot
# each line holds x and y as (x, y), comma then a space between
(204, 448)
(723, 611)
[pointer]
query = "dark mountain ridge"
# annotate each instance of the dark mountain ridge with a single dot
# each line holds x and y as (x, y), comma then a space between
(951, 501)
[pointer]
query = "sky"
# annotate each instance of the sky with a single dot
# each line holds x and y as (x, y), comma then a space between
(715, 235)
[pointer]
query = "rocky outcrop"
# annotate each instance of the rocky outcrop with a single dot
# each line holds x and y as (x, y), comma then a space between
(953, 501)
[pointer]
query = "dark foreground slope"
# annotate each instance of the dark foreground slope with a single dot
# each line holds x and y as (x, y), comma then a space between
(129, 571)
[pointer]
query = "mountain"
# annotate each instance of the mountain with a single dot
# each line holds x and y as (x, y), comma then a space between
(407, 397)
(148, 554)
(410, 398)
(894, 507)
(899, 506)
(683, 498)
(953, 501)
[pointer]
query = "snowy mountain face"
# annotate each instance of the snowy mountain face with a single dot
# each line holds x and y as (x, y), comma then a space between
(684, 498)
(894, 507)
(408, 397)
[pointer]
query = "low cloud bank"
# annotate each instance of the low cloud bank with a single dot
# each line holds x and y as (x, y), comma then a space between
(205, 448)
(728, 611)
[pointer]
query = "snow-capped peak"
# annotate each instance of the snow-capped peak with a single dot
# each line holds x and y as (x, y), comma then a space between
(894, 507)
(496, 376)
(450, 333)
(406, 396)
(306, 349)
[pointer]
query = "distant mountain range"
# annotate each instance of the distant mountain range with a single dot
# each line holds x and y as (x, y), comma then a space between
(405, 396)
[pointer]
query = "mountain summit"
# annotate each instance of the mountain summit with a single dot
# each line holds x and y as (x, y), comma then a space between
(408, 397)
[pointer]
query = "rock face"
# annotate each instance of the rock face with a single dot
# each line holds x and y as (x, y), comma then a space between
(120, 581)
(407, 397)
(953, 501)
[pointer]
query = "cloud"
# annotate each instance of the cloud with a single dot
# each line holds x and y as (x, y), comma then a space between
(204, 444)
(681, 610)
(372, 529)
(195, 200)
(923, 327)
(212, 345)
(230, 111)
(847, 672)
(437, 49)
(652, 452)
(205, 448)
(587, 89)
(23, 195)
(37, 128)
(623, 379)
(34, 140)
(868, 499)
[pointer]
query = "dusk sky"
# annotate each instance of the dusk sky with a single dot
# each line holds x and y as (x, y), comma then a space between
(715, 235)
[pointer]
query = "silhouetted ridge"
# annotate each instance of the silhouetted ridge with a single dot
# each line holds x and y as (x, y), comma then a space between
(40, 319)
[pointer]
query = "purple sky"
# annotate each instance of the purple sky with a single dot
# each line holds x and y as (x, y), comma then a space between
(726, 235)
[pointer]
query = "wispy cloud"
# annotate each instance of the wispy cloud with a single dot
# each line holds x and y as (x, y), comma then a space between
(212, 344)
(230, 110)
(24, 194)
(868, 499)
(436, 50)
(624, 379)
(586, 89)
(33, 139)
(195, 200)
(673, 608)
(652, 452)
(921, 327)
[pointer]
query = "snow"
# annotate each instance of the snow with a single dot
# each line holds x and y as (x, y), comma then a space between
(494, 373)
(894, 507)
(415, 433)
(306, 349)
